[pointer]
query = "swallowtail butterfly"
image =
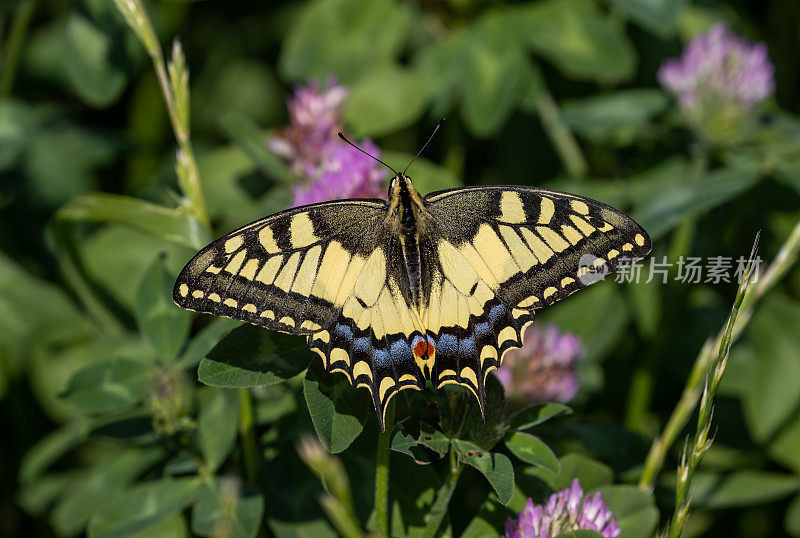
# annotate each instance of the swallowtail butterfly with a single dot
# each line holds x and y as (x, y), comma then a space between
(394, 292)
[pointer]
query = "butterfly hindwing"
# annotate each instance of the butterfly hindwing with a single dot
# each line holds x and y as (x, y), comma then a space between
(290, 272)
(531, 246)
(372, 342)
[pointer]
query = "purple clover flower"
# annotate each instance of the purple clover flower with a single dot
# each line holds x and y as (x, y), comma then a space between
(325, 166)
(721, 68)
(543, 369)
(344, 173)
(564, 511)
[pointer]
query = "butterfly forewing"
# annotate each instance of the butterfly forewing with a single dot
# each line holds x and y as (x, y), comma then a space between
(290, 272)
(531, 246)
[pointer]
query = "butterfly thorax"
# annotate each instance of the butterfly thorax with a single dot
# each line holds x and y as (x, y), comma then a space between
(405, 211)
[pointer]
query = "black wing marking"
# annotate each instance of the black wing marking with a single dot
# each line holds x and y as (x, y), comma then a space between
(289, 272)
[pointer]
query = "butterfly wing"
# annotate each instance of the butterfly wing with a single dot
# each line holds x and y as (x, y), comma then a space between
(290, 272)
(372, 341)
(501, 252)
(330, 271)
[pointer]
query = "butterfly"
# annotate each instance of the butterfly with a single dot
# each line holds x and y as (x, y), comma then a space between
(392, 293)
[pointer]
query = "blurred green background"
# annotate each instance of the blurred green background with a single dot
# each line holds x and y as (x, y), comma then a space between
(554, 93)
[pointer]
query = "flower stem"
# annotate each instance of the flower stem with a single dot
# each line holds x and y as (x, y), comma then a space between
(565, 144)
(247, 433)
(188, 176)
(439, 508)
(382, 459)
(701, 443)
(785, 259)
(16, 36)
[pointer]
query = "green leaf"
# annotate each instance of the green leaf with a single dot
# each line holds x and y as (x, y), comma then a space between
(750, 487)
(203, 342)
(96, 77)
(338, 410)
(634, 509)
(250, 356)
(229, 83)
(18, 124)
(141, 506)
(345, 37)
(494, 466)
(253, 142)
(157, 220)
(445, 63)
(658, 16)
(791, 520)
(536, 414)
(217, 424)
(579, 39)
(783, 448)
(50, 448)
(106, 265)
(173, 526)
(109, 385)
(386, 100)
(590, 473)
(222, 506)
(693, 198)
(772, 393)
(496, 75)
(161, 321)
(620, 115)
(38, 497)
(104, 479)
(62, 162)
(25, 323)
(531, 450)
(50, 373)
(581, 533)
(224, 173)
(433, 439)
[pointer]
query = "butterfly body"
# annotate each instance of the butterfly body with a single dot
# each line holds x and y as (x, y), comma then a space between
(395, 293)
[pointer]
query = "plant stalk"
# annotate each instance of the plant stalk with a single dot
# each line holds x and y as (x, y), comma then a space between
(247, 433)
(701, 443)
(784, 260)
(565, 144)
(382, 460)
(440, 505)
(16, 37)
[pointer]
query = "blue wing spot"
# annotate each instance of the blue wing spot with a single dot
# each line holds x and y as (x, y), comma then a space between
(362, 344)
(482, 330)
(496, 313)
(401, 351)
(466, 346)
(344, 332)
(380, 358)
(447, 344)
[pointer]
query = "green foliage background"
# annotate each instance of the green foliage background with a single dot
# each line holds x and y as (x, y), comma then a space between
(557, 93)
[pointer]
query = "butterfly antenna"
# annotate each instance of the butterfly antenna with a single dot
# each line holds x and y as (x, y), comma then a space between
(425, 145)
(367, 154)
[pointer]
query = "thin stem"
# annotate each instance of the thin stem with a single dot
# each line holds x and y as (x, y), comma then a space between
(247, 433)
(701, 443)
(188, 176)
(16, 36)
(440, 505)
(787, 256)
(382, 459)
(565, 144)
